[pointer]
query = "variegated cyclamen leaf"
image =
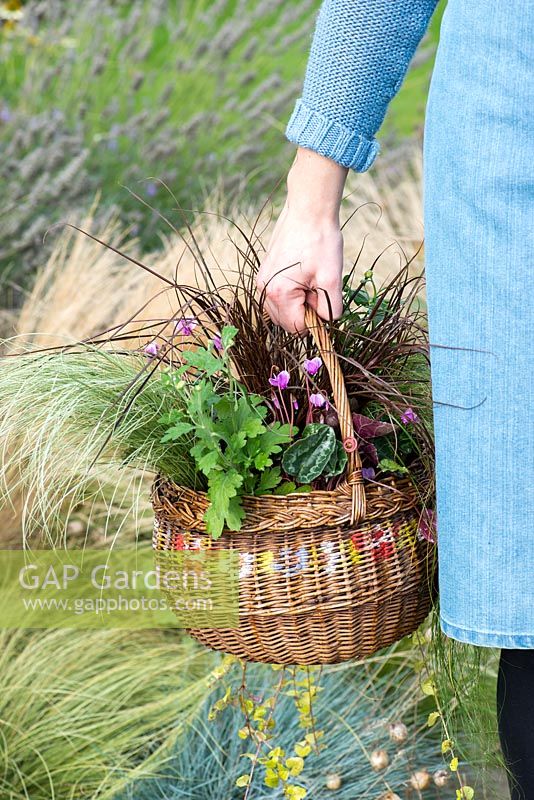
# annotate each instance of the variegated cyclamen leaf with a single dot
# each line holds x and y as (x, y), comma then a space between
(306, 458)
(337, 462)
(312, 427)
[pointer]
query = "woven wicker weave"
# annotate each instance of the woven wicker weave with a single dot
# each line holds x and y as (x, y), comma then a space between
(325, 576)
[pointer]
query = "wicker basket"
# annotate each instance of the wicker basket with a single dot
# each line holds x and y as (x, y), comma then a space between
(325, 576)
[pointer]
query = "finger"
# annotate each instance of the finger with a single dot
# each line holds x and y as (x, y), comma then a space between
(327, 300)
(287, 310)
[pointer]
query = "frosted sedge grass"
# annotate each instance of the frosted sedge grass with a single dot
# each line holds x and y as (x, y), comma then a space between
(355, 707)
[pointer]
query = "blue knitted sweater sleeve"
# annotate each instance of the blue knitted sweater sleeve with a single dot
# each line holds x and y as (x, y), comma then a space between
(358, 58)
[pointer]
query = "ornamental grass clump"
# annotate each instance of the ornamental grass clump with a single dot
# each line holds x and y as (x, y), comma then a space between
(217, 397)
(83, 713)
(368, 736)
(61, 433)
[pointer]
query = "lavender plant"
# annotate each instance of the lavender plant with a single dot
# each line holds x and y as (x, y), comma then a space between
(155, 93)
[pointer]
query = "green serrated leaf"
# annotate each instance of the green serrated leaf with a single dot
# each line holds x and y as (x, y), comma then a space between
(258, 400)
(171, 416)
(214, 520)
(178, 430)
(269, 479)
(252, 427)
(203, 360)
(286, 487)
(209, 461)
(272, 439)
(236, 441)
(235, 514)
(228, 334)
(223, 486)
(261, 461)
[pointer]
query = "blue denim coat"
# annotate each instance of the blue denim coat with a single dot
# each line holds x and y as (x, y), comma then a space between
(479, 257)
(479, 254)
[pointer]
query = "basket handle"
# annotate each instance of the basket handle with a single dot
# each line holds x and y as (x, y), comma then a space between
(354, 476)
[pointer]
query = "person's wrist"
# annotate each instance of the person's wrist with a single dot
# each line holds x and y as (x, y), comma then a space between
(315, 187)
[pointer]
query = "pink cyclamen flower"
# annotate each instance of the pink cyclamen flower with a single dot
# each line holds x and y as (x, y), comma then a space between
(186, 326)
(295, 405)
(368, 473)
(217, 342)
(312, 365)
(318, 400)
(409, 416)
(276, 401)
(151, 349)
(281, 381)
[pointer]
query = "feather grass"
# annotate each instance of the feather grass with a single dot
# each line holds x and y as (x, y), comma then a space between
(84, 713)
(69, 418)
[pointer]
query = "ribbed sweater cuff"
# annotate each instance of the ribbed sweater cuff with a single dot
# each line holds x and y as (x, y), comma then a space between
(309, 128)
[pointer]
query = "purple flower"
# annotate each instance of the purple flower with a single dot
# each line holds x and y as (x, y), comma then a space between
(186, 326)
(368, 473)
(152, 349)
(5, 114)
(217, 343)
(312, 365)
(281, 380)
(151, 188)
(276, 402)
(295, 405)
(318, 400)
(409, 416)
